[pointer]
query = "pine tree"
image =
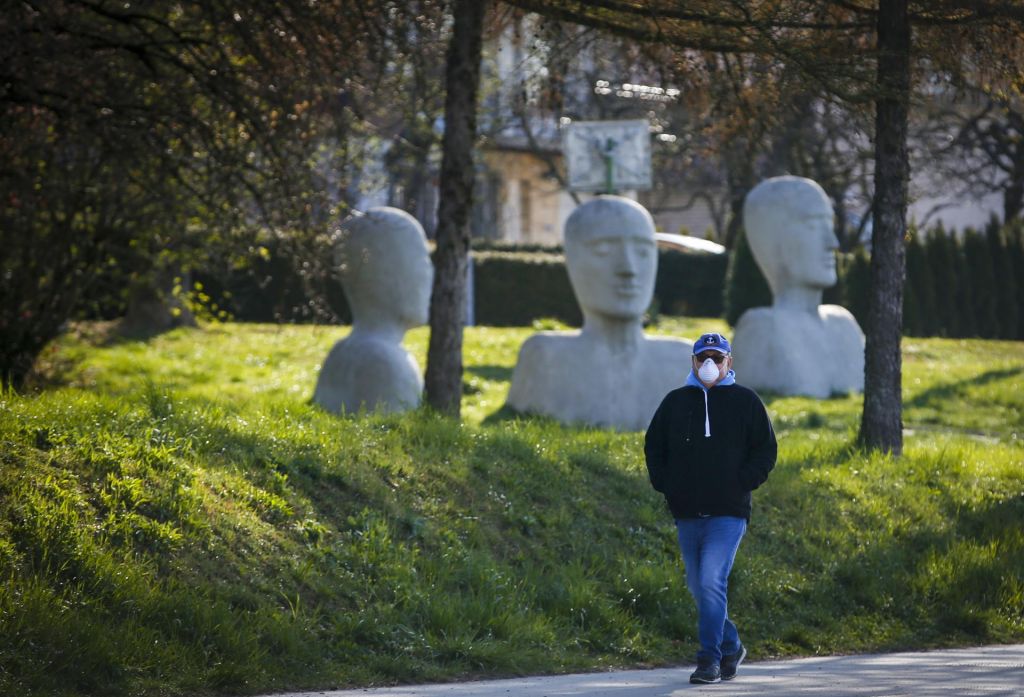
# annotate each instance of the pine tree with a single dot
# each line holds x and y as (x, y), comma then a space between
(981, 287)
(857, 284)
(1006, 283)
(1015, 251)
(920, 316)
(941, 253)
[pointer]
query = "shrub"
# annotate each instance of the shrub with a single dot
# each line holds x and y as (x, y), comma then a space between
(515, 288)
(745, 285)
(1007, 309)
(856, 283)
(919, 310)
(982, 283)
(690, 284)
(272, 287)
(1015, 253)
(941, 252)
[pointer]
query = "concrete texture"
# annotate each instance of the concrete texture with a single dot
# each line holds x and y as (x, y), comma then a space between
(988, 671)
(797, 346)
(609, 374)
(385, 269)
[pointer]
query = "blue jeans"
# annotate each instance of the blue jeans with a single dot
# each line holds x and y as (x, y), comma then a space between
(709, 548)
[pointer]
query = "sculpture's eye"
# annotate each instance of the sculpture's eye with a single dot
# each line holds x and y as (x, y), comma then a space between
(601, 247)
(643, 248)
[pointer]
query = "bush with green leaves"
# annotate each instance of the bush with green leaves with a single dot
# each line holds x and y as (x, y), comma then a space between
(745, 284)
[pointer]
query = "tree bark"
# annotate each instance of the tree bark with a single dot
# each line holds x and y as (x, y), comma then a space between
(881, 426)
(443, 380)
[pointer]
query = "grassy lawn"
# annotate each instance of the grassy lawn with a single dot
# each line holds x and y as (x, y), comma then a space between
(176, 519)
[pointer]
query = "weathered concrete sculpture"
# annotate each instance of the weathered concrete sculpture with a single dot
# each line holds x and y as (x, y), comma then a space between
(610, 373)
(797, 346)
(386, 272)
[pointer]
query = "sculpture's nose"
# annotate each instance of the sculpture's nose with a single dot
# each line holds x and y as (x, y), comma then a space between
(627, 266)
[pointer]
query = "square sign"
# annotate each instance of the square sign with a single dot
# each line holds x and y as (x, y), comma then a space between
(608, 156)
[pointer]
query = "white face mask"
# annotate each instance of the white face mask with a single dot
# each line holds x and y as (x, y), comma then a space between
(708, 371)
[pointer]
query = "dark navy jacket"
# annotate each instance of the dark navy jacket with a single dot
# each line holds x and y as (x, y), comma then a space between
(712, 475)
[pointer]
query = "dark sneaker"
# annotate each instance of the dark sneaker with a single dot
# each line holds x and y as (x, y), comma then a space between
(707, 672)
(731, 662)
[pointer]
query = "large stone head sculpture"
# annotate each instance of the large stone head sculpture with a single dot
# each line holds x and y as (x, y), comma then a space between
(790, 227)
(611, 257)
(385, 268)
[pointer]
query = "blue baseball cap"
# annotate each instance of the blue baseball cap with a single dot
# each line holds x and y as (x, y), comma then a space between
(711, 342)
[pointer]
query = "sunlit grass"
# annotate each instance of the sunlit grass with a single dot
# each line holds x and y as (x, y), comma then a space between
(177, 519)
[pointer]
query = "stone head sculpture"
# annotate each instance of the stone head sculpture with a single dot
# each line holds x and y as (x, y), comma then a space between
(385, 268)
(611, 257)
(789, 224)
(386, 273)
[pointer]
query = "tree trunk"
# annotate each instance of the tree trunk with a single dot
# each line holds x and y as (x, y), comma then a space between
(443, 379)
(881, 426)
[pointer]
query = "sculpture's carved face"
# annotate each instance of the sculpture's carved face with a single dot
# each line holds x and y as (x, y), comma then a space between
(412, 279)
(809, 252)
(613, 267)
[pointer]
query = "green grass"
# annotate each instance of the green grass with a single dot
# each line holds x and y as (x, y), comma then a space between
(176, 519)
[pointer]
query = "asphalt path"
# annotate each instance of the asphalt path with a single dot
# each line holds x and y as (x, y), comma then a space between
(987, 671)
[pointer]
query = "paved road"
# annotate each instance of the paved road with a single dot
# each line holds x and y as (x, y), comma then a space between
(990, 671)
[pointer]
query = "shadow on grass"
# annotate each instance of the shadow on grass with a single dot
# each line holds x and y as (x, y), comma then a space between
(800, 588)
(947, 390)
(769, 397)
(504, 415)
(497, 373)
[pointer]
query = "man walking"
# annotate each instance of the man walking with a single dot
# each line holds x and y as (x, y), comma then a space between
(708, 446)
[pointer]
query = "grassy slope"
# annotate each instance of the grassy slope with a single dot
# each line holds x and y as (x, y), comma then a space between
(176, 519)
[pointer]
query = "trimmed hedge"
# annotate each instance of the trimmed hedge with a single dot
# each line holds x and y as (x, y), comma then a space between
(958, 285)
(690, 284)
(966, 285)
(515, 288)
(511, 288)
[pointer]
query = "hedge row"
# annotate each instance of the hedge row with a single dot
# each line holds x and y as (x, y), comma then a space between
(511, 288)
(958, 285)
(969, 284)
(516, 288)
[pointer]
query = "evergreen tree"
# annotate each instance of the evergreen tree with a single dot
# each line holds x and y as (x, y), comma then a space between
(835, 294)
(857, 285)
(963, 303)
(911, 317)
(1005, 280)
(745, 284)
(981, 286)
(941, 253)
(919, 316)
(1015, 251)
